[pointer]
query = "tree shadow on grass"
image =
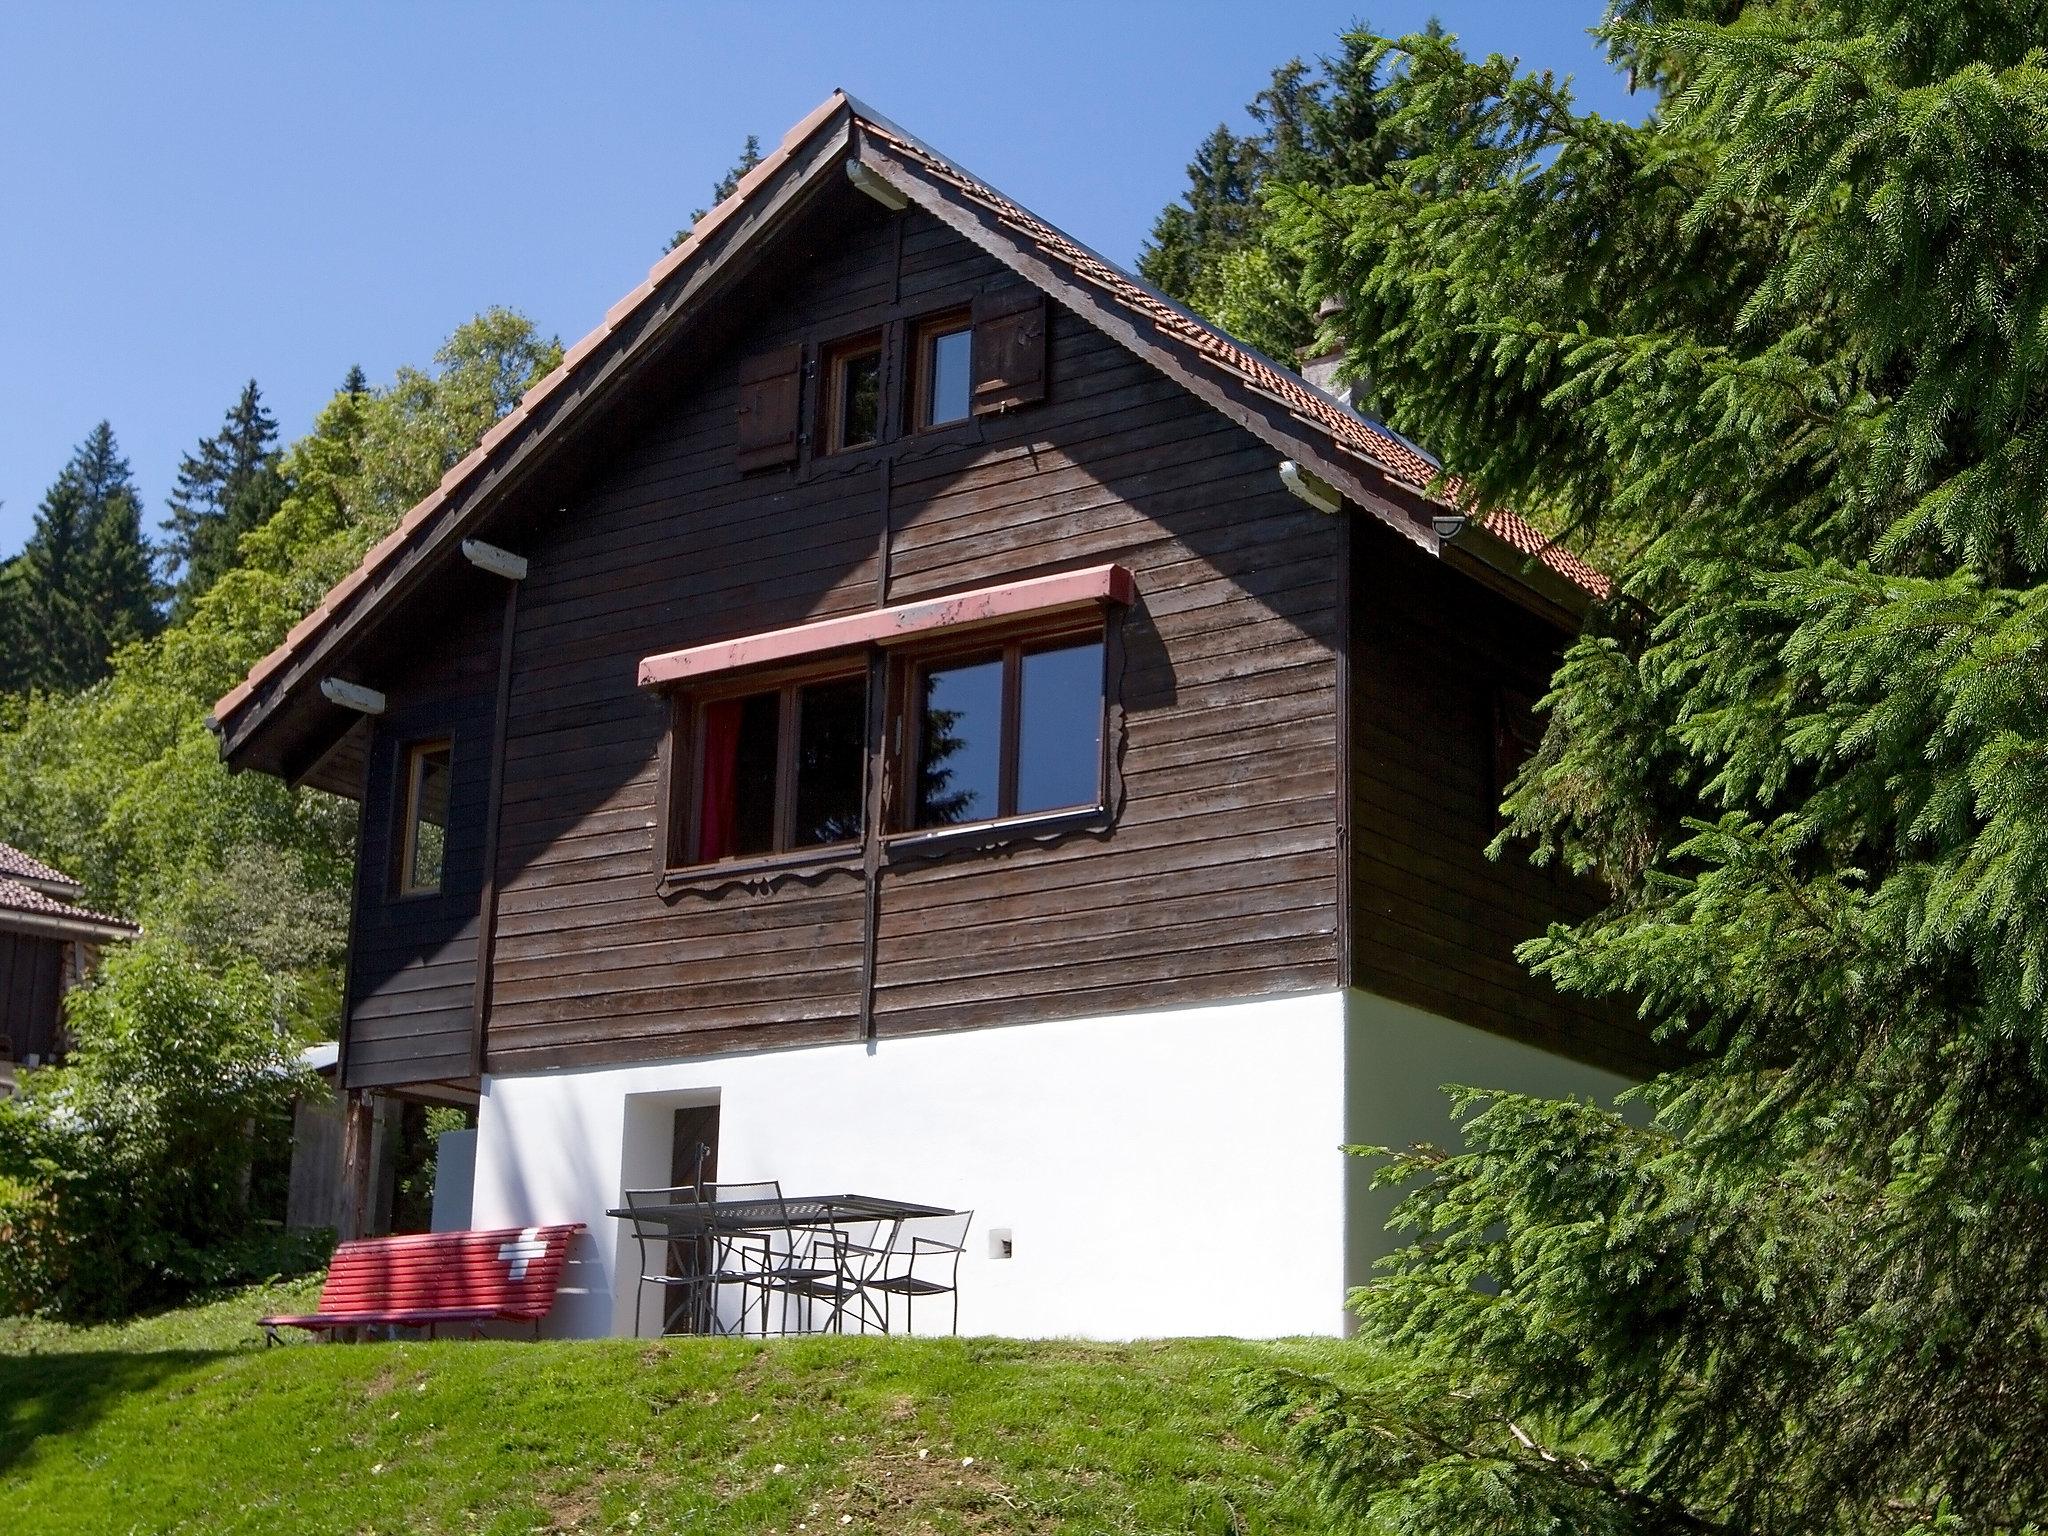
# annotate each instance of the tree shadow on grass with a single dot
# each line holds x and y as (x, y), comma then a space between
(64, 1393)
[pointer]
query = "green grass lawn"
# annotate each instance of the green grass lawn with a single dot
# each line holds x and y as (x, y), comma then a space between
(185, 1423)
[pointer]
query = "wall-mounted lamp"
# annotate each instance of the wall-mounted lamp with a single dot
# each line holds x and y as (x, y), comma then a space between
(1309, 487)
(876, 186)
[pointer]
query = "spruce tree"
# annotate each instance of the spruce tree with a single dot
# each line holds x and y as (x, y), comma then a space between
(724, 187)
(1316, 126)
(227, 486)
(1784, 345)
(82, 587)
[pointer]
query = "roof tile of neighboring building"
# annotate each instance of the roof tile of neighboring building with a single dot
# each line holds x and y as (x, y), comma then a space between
(1352, 432)
(17, 897)
(16, 865)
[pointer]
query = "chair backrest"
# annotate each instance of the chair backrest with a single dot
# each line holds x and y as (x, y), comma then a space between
(673, 1194)
(513, 1271)
(934, 1234)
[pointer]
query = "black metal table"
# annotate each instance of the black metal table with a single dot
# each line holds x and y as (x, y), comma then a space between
(689, 1232)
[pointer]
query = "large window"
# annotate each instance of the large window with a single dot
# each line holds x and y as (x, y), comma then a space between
(912, 731)
(778, 769)
(1014, 730)
(423, 845)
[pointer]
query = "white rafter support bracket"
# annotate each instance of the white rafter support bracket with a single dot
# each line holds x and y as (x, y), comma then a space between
(364, 701)
(499, 562)
(875, 186)
(1310, 487)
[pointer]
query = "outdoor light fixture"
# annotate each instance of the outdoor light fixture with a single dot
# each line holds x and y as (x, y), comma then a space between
(499, 562)
(872, 183)
(1447, 525)
(1311, 488)
(364, 701)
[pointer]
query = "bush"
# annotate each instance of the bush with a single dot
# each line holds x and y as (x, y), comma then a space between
(124, 1173)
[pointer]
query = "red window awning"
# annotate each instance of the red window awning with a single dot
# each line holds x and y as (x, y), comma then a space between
(1041, 596)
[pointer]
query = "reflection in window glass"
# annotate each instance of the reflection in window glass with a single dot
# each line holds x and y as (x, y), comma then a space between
(1059, 728)
(946, 361)
(427, 818)
(831, 754)
(959, 750)
(860, 400)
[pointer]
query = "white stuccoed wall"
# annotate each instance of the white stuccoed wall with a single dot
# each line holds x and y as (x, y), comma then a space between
(1398, 1062)
(1161, 1174)
(1129, 1157)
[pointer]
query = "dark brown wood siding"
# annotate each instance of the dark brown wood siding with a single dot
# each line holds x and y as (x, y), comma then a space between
(31, 995)
(1434, 921)
(1220, 876)
(412, 966)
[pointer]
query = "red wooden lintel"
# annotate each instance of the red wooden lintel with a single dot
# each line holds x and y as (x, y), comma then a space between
(1040, 596)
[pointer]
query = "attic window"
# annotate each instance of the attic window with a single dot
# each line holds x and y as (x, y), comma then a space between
(941, 382)
(853, 394)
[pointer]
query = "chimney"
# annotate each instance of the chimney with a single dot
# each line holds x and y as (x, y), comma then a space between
(1320, 368)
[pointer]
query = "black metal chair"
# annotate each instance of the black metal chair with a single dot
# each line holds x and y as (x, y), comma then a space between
(833, 1268)
(677, 1242)
(922, 1258)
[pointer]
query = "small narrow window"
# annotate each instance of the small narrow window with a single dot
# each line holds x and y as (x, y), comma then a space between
(425, 848)
(779, 770)
(941, 371)
(1010, 732)
(853, 394)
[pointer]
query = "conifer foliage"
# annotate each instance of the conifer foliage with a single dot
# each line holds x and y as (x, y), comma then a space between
(1789, 340)
(1312, 126)
(82, 588)
(229, 484)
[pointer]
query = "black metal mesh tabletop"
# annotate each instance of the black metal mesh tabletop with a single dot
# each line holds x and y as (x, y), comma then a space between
(687, 1216)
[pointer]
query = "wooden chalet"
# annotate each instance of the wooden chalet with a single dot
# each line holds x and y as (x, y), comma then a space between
(48, 944)
(908, 705)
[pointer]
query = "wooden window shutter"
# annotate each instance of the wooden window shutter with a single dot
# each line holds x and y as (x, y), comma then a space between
(771, 392)
(1009, 349)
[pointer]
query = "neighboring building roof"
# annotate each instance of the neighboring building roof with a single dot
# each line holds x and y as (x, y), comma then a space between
(1189, 348)
(16, 865)
(23, 908)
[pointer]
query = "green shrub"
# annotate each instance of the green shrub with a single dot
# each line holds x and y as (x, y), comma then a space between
(124, 1173)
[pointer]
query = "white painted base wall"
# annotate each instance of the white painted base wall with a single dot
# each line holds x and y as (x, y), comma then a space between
(1159, 1174)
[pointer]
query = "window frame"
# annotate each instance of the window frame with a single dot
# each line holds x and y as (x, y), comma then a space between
(1012, 644)
(411, 757)
(833, 359)
(686, 787)
(923, 331)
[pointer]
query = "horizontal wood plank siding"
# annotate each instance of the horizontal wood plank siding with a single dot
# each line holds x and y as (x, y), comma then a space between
(412, 965)
(1219, 878)
(1435, 922)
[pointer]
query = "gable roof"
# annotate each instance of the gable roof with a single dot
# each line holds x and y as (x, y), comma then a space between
(1373, 467)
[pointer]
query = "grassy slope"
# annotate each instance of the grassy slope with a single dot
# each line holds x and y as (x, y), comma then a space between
(181, 1423)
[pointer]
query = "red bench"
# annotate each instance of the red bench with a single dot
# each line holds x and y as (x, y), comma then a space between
(426, 1279)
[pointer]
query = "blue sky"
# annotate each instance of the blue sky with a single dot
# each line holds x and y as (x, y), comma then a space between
(194, 195)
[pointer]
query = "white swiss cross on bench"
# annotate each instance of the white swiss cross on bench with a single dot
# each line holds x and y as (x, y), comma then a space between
(521, 1251)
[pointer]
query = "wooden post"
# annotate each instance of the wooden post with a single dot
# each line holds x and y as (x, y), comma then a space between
(358, 1141)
